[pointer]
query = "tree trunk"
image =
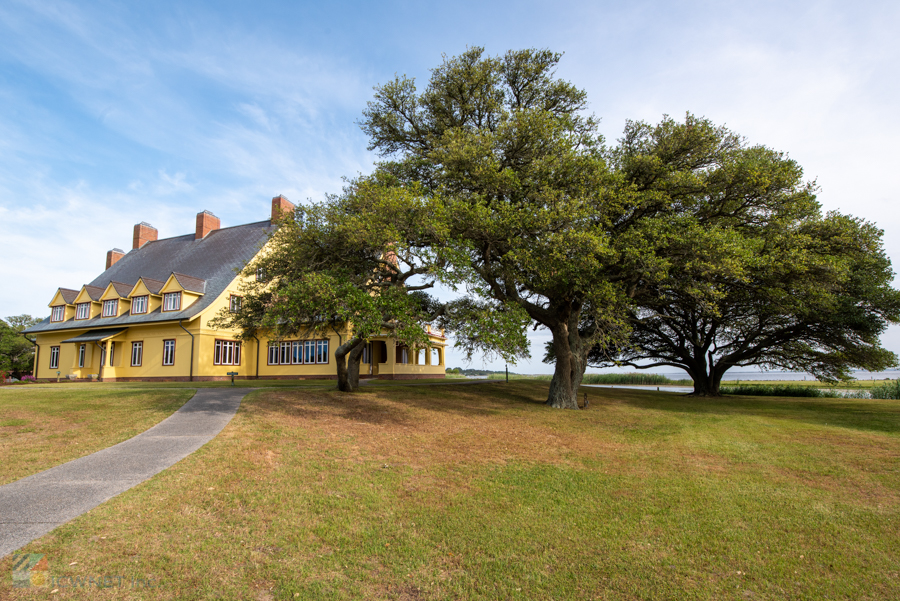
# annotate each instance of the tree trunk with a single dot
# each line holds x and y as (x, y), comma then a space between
(570, 365)
(347, 358)
(707, 384)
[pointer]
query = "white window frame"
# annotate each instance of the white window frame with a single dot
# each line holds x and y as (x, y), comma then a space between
(175, 304)
(82, 351)
(137, 353)
(112, 353)
(309, 351)
(58, 313)
(273, 353)
(168, 352)
(110, 304)
(85, 314)
(54, 357)
(284, 357)
(139, 302)
(322, 351)
(227, 352)
(297, 352)
(234, 304)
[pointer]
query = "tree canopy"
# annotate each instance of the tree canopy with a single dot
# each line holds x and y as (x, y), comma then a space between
(16, 353)
(521, 169)
(731, 262)
(361, 263)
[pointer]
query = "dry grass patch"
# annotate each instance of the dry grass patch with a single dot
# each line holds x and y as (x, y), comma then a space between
(41, 428)
(481, 492)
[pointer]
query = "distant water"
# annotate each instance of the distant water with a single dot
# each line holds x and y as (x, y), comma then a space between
(733, 375)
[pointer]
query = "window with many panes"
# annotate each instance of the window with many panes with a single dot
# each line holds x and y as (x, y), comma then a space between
(235, 304)
(227, 352)
(168, 352)
(138, 305)
(58, 313)
(82, 310)
(321, 351)
(110, 308)
(171, 301)
(54, 357)
(298, 352)
(137, 354)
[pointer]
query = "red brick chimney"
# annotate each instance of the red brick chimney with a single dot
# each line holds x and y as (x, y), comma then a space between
(113, 256)
(144, 233)
(206, 223)
(281, 205)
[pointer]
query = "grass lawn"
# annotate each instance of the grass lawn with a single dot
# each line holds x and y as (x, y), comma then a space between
(41, 427)
(481, 492)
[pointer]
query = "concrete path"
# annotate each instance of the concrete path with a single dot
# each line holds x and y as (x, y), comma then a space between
(33, 506)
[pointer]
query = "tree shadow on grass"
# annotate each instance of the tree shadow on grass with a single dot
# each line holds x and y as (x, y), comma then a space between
(396, 405)
(856, 414)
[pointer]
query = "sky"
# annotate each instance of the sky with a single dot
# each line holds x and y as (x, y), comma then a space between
(115, 113)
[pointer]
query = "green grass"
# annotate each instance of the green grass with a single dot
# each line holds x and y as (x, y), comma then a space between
(481, 492)
(41, 427)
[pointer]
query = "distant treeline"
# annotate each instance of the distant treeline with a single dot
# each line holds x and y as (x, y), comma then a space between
(480, 372)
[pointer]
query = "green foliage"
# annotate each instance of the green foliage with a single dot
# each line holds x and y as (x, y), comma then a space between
(779, 390)
(730, 262)
(891, 390)
(520, 170)
(16, 353)
(364, 260)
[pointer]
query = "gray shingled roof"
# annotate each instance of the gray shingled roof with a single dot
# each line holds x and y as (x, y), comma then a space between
(122, 289)
(212, 263)
(95, 292)
(154, 286)
(69, 295)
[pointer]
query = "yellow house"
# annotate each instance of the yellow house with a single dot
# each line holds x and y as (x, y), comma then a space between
(147, 318)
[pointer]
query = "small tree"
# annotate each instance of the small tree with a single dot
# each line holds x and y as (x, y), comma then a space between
(360, 264)
(16, 353)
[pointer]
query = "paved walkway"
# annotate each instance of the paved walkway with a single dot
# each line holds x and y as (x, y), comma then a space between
(33, 506)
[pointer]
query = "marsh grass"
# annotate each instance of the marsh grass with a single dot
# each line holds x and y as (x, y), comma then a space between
(41, 428)
(481, 492)
(636, 379)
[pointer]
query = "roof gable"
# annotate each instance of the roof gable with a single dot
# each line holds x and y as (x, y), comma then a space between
(145, 286)
(115, 290)
(64, 296)
(89, 293)
(178, 282)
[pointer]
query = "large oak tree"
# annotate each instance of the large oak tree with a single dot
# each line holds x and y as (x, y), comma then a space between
(521, 168)
(729, 262)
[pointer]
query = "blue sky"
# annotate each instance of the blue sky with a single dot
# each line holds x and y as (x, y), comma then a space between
(116, 113)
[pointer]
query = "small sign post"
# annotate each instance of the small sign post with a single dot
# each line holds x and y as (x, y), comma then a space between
(232, 374)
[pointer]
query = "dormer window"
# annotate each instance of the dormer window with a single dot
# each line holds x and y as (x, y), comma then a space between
(138, 305)
(172, 301)
(58, 313)
(82, 310)
(110, 308)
